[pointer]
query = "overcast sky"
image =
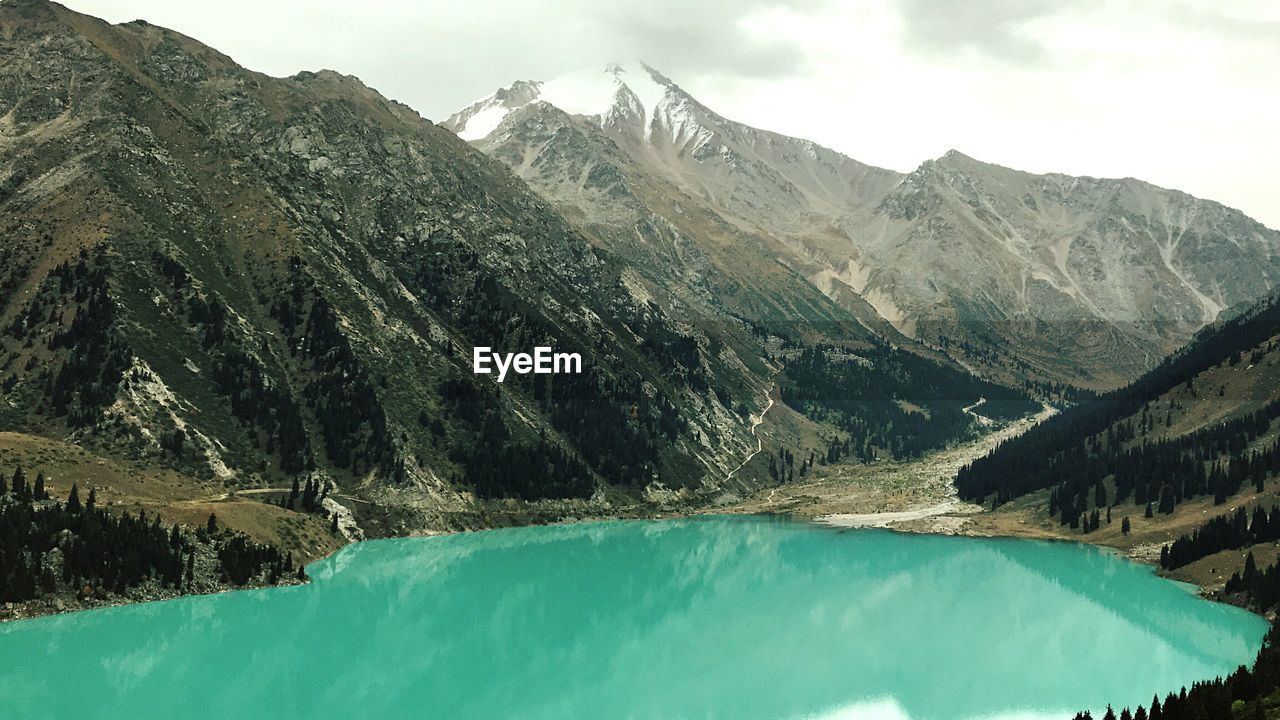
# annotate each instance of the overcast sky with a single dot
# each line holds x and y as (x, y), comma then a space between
(1182, 93)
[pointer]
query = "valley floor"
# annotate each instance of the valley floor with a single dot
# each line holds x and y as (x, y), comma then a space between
(884, 494)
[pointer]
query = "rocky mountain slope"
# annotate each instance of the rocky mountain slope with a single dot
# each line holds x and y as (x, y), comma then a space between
(1078, 280)
(708, 207)
(1089, 280)
(217, 281)
(252, 277)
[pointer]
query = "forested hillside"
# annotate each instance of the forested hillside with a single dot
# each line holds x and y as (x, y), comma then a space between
(889, 402)
(1200, 424)
(249, 278)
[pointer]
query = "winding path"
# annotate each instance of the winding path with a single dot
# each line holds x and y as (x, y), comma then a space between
(755, 422)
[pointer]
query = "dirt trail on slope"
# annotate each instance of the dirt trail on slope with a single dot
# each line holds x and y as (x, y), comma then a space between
(982, 419)
(755, 423)
(228, 495)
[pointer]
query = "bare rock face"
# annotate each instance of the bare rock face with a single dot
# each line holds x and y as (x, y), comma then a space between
(346, 522)
(1082, 280)
(1089, 280)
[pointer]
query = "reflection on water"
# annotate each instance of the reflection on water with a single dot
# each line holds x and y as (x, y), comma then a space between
(712, 618)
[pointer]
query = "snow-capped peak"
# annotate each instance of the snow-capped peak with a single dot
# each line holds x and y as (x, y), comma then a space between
(633, 94)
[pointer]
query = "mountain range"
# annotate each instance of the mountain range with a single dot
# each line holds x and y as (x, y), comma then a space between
(1076, 280)
(218, 284)
(218, 281)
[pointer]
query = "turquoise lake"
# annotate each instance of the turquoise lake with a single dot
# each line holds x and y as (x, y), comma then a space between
(734, 618)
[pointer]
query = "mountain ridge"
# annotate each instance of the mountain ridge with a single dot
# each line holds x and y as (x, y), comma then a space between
(1131, 267)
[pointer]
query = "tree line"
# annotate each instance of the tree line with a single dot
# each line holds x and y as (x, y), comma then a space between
(890, 401)
(1213, 461)
(1084, 443)
(1225, 532)
(1260, 588)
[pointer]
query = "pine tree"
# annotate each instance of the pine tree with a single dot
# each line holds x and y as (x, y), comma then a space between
(40, 492)
(211, 526)
(92, 501)
(73, 499)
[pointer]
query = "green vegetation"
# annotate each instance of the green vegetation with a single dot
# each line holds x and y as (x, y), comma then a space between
(1226, 532)
(47, 546)
(890, 401)
(93, 360)
(1102, 439)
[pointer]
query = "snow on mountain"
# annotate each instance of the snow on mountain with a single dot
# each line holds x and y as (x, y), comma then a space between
(741, 168)
(630, 95)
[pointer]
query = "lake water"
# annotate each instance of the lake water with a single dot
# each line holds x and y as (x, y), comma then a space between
(709, 618)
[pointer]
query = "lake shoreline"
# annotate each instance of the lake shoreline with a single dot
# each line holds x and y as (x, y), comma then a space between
(67, 603)
(840, 496)
(922, 522)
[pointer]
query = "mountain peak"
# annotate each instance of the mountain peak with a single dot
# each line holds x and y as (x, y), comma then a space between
(620, 94)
